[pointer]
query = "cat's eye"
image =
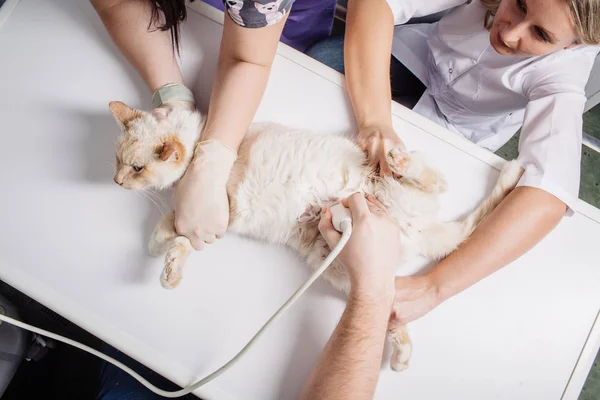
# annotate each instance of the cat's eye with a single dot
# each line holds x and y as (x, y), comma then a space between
(138, 169)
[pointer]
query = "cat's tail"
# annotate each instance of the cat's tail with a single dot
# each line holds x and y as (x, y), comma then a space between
(441, 239)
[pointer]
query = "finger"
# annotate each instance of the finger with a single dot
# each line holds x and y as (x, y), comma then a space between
(384, 169)
(384, 166)
(373, 200)
(358, 205)
(400, 144)
(331, 236)
(372, 156)
(210, 239)
(372, 150)
(197, 244)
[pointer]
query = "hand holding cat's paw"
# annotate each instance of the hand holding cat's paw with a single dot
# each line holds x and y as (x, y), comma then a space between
(201, 202)
(378, 141)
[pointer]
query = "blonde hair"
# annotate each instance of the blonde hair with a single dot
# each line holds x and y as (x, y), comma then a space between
(584, 13)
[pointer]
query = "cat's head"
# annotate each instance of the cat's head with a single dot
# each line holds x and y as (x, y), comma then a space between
(154, 148)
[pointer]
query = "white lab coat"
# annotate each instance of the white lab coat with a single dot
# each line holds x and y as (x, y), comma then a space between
(485, 97)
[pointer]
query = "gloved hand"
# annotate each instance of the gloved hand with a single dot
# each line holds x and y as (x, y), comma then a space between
(201, 202)
(377, 141)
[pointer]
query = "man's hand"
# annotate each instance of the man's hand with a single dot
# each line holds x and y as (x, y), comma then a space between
(350, 363)
(201, 202)
(377, 141)
(415, 297)
(372, 253)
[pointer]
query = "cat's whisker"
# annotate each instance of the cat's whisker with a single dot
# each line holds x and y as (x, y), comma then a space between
(143, 193)
(153, 200)
(159, 198)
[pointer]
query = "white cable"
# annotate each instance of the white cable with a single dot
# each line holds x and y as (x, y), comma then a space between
(346, 228)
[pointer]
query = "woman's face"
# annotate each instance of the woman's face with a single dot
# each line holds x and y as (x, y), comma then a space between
(532, 27)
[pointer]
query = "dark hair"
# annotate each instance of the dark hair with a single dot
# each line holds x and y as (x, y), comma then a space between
(173, 12)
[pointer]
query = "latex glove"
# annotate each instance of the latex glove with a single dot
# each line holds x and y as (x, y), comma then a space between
(372, 254)
(201, 202)
(173, 95)
(377, 141)
(415, 297)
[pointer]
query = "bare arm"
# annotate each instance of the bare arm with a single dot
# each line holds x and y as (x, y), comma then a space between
(148, 50)
(525, 217)
(348, 368)
(520, 222)
(243, 70)
(201, 203)
(367, 52)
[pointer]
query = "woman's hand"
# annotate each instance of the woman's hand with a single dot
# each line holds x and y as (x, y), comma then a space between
(377, 141)
(201, 202)
(415, 297)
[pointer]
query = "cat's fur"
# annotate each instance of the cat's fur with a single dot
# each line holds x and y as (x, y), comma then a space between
(279, 183)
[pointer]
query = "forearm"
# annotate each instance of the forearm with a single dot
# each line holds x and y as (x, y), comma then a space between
(350, 363)
(149, 50)
(367, 52)
(525, 217)
(243, 70)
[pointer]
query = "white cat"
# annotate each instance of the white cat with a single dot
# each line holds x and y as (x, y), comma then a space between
(270, 10)
(279, 183)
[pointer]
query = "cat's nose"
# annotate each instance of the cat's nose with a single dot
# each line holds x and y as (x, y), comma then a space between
(118, 180)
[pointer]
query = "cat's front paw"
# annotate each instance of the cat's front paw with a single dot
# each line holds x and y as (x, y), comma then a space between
(155, 248)
(172, 273)
(175, 259)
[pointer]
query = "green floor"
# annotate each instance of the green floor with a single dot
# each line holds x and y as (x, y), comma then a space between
(589, 191)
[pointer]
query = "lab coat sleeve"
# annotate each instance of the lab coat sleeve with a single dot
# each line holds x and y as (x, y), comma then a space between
(404, 10)
(550, 141)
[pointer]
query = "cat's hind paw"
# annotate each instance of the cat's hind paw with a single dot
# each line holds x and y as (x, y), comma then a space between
(400, 357)
(401, 345)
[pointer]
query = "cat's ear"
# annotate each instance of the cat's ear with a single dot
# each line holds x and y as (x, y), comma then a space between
(171, 150)
(123, 113)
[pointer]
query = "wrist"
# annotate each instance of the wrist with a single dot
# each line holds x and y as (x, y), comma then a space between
(377, 292)
(440, 287)
(215, 156)
(374, 123)
(377, 129)
(174, 94)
